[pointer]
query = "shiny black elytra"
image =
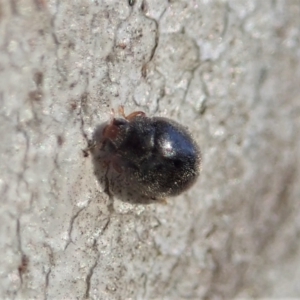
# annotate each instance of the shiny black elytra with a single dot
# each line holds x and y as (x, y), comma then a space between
(157, 156)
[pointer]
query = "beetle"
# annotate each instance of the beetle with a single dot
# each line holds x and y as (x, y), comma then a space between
(156, 156)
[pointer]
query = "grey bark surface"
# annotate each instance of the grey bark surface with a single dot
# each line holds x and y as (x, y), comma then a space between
(228, 70)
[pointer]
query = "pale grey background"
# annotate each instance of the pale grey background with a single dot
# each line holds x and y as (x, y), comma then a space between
(229, 70)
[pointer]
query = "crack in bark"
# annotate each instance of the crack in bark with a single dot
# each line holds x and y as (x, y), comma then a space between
(24, 258)
(156, 39)
(88, 278)
(91, 271)
(74, 217)
(51, 261)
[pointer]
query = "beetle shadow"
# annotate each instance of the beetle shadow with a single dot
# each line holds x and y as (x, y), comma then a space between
(115, 183)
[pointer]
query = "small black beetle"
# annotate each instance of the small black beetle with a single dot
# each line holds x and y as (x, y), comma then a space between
(157, 156)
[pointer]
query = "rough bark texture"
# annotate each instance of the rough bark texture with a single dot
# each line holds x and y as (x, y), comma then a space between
(229, 70)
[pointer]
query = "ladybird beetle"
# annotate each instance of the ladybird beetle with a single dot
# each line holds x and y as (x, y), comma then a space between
(157, 156)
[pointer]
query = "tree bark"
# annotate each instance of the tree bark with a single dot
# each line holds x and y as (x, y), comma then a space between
(228, 70)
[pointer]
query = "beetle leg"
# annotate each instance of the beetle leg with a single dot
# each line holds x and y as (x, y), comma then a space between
(112, 162)
(131, 116)
(116, 166)
(121, 111)
(110, 131)
(163, 201)
(135, 114)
